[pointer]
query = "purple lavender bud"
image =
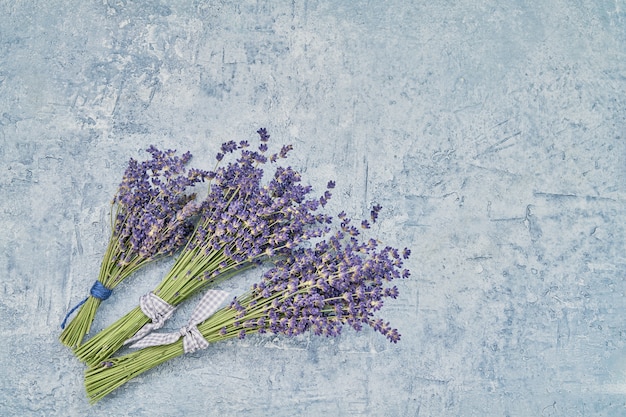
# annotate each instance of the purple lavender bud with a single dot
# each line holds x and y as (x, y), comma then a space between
(263, 134)
(285, 150)
(228, 147)
(391, 292)
(393, 336)
(153, 210)
(374, 213)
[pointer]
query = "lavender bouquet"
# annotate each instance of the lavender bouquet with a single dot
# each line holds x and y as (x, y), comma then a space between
(242, 223)
(153, 218)
(340, 281)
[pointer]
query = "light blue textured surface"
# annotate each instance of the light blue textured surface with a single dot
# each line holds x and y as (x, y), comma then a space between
(493, 134)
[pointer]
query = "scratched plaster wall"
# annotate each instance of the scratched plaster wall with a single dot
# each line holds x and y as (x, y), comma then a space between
(493, 133)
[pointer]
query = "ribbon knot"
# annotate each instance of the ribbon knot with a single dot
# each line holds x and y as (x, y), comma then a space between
(184, 331)
(192, 338)
(157, 310)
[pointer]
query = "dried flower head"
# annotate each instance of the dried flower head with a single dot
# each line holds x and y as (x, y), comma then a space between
(339, 281)
(246, 218)
(154, 218)
(154, 213)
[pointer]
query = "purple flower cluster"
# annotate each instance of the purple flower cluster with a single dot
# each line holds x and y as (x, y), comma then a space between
(154, 213)
(246, 220)
(154, 217)
(341, 280)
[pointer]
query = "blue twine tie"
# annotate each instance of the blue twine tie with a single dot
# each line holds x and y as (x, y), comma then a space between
(98, 290)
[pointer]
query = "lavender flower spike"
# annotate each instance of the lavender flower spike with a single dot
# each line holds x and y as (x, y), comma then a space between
(340, 281)
(153, 218)
(246, 218)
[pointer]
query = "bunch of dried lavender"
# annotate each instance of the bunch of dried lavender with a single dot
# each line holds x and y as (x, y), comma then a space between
(243, 222)
(341, 281)
(153, 218)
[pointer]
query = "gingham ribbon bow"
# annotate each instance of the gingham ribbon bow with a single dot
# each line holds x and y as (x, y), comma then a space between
(192, 338)
(157, 310)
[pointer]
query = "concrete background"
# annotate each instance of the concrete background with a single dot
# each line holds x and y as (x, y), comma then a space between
(491, 132)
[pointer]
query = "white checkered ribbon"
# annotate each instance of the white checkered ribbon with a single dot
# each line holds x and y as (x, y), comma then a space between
(192, 338)
(157, 310)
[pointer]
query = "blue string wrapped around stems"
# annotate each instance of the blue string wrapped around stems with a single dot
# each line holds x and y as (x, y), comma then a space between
(98, 290)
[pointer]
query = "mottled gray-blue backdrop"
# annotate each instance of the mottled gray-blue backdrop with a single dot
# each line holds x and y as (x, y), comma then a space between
(492, 133)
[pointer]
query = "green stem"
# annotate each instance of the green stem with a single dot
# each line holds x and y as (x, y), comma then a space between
(109, 340)
(102, 380)
(74, 333)
(105, 377)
